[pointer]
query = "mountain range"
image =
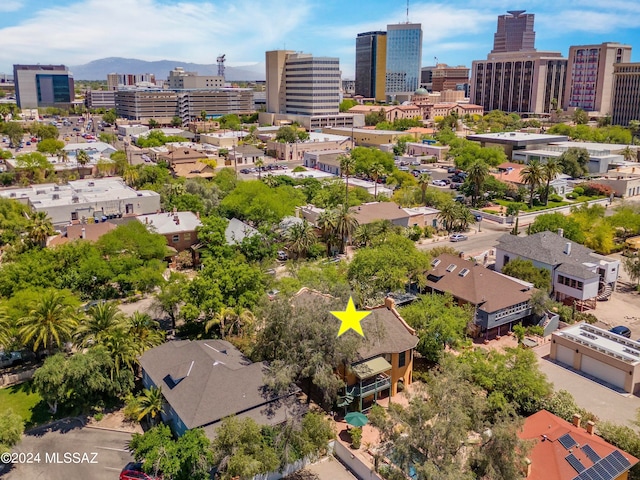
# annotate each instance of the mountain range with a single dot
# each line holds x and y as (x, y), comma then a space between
(98, 69)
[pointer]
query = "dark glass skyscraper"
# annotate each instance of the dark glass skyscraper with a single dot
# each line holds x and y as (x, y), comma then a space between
(515, 32)
(371, 60)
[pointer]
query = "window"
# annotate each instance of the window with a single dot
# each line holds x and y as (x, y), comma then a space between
(402, 359)
(505, 260)
(175, 238)
(74, 215)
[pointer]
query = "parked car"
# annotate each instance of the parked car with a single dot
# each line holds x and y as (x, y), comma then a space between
(451, 170)
(446, 181)
(282, 255)
(459, 199)
(455, 185)
(416, 163)
(458, 237)
(439, 183)
(10, 359)
(244, 170)
(621, 330)
(403, 169)
(133, 471)
(457, 179)
(425, 170)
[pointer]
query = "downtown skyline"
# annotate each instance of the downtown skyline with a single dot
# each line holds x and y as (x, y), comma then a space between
(455, 32)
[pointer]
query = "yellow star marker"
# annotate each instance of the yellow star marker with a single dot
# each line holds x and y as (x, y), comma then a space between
(350, 319)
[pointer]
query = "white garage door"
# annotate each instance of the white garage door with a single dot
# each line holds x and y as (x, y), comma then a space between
(564, 355)
(604, 372)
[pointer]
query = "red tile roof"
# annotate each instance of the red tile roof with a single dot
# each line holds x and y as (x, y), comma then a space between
(548, 455)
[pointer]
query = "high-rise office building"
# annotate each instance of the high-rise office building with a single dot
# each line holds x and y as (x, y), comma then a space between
(625, 105)
(301, 84)
(444, 77)
(371, 62)
(404, 58)
(116, 80)
(40, 86)
(515, 77)
(589, 83)
(515, 32)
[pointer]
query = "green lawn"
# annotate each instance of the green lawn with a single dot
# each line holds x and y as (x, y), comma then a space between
(536, 208)
(26, 402)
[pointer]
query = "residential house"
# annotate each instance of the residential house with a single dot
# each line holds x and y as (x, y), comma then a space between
(510, 172)
(385, 358)
(195, 169)
(565, 451)
(623, 184)
(499, 301)
(598, 353)
(245, 155)
(237, 231)
(391, 211)
(176, 155)
(316, 142)
(325, 161)
(179, 228)
(86, 231)
(205, 381)
(579, 276)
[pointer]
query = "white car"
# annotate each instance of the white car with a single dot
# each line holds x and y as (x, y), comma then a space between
(439, 183)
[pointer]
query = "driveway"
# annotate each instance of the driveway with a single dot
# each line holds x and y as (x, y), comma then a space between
(605, 403)
(90, 453)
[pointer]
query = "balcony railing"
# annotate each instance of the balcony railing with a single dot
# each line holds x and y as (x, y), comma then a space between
(370, 386)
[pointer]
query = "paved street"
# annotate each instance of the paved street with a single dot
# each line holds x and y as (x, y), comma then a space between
(105, 449)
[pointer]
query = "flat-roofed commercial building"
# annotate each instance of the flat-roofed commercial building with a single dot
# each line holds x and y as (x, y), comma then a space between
(444, 77)
(181, 80)
(100, 99)
(117, 80)
(610, 358)
(590, 69)
(39, 86)
(161, 105)
(215, 102)
(626, 93)
(85, 199)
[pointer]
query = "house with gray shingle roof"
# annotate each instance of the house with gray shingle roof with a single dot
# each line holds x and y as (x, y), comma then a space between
(578, 275)
(237, 231)
(205, 381)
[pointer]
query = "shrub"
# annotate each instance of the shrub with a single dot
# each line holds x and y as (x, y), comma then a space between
(413, 233)
(535, 330)
(429, 231)
(356, 437)
(299, 169)
(592, 189)
(555, 198)
(572, 196)
(578, 190)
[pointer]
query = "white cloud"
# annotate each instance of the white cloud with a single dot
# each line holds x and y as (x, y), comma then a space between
(11, 5)
(190, 31)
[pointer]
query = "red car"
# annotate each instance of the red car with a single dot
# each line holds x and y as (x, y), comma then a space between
(133, 471)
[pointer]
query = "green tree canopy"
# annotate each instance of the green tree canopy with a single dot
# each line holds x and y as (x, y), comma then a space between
(527, 271)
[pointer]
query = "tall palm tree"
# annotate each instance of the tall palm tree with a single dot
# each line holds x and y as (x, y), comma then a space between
(448, 215)
(259, 163)
(144, 332)
(101, 321)
(347, 167)
(150, 404)
(629, 154)
(549, 171)
(39, 228)
(121, 348)
(423, 182)
(327, 223)
(376, 170)
(5, 329)
(532, 175)
(478, 172)
(300, 238)
(82, 157)
(50, 322)
(364, 234)
(130, 175)
(345, 226)
(242, 323)
(225, 316)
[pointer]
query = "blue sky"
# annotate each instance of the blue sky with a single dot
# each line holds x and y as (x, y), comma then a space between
(456, 32)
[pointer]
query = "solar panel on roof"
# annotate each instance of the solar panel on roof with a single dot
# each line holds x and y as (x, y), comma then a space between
(621, 458)
(591, 453)
(575, 463)
(567, 441)
(601, 470)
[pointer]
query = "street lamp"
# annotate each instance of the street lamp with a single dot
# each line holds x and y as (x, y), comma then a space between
(479, 220)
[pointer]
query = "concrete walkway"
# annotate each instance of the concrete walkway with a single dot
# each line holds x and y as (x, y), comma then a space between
(330, 469)
(605, 403)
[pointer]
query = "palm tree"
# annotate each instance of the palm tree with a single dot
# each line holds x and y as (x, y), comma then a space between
(121, 348)
(131, 175)
(376, 170)
(221, 319)
(82, 157)
(144, 332)
(327, 223)
(423, 182)
(478, 172)
(5, 329)
(364, 235)
(549, 171)
(242, 323)
(50, 321)
(39, 228)
(300, 238)
(347, 166)
(259, 163)
(532, 175)
(629, 154)
(448, 215)
(102, 320)
(345, 226)
(150, 404)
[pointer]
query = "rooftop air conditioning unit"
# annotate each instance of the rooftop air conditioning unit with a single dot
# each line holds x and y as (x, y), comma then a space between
(56, 196)
(92, 184)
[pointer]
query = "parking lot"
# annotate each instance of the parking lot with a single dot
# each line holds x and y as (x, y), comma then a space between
(69, 450)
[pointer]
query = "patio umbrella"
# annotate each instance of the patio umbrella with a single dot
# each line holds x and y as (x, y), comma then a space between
(356, 419)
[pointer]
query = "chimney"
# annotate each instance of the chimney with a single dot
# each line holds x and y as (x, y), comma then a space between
(567, 248)
(84, 233)
(198, 215)
(561, 232)
(590, 427)
(176, 219)
(576, 420)
(146, 220)
(389, 303)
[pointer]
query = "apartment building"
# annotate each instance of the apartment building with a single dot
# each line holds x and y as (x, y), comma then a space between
(117, 80)
(589, 84)
(371, 62)
(39, 86)
(626, 93)
(179, 79)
